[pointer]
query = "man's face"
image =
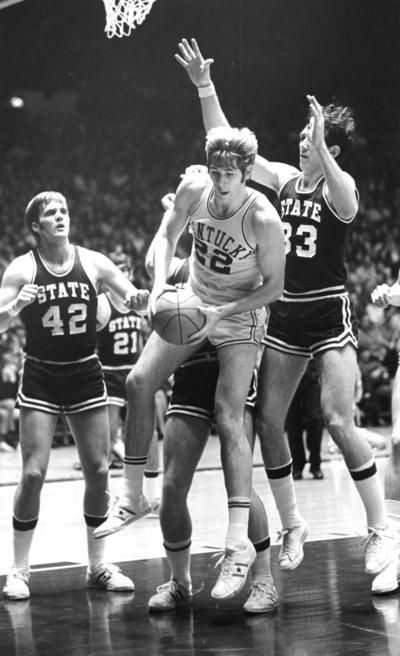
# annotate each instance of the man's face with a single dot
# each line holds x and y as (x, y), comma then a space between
(54, 219)
(226, 180)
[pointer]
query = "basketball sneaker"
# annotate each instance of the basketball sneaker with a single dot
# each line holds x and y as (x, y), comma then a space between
(291, 552)
(235, 566)
(389, 578)
(170, 595)
(380, 545)
(108, 577)
(122, 512)
(16, 586)
(263, 597)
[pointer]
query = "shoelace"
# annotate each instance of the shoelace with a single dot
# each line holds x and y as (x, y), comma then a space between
(170, 588)
(263, 589)
(287, 544)
(370, 541)
(226, 557)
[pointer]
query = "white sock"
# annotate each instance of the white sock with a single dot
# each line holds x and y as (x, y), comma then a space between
(371, 493)
(132, 479)
(178, 556)
(96, 548)
(261, 568)
(285, 498)
(238, 508)
(151, 485)
(22, 541)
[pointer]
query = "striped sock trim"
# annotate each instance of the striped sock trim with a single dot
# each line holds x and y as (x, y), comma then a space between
(177, 546)
(135, 460)
(24, 524)
(279, 472)
(151, 474)
(93, 521)
(262, 545)
(239, 502)
(366, 472)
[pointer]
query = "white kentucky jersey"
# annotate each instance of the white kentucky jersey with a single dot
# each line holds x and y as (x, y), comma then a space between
(224, 260)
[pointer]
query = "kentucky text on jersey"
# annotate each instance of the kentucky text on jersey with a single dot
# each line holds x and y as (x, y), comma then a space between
(300, 207)
(54, 291)
(219, 238)
(125, 323)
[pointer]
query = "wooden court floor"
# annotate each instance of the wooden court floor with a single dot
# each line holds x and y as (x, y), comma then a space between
(325, 605)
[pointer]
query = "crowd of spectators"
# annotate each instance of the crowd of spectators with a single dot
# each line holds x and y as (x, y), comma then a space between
(114, 173)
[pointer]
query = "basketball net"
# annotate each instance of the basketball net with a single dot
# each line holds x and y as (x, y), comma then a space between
(122, 16)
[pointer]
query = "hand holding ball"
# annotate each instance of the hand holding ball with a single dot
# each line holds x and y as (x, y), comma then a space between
(177, 316)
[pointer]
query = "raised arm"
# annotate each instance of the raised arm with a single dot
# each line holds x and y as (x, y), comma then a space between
(341, 187)
(269, 174)
(198, 70)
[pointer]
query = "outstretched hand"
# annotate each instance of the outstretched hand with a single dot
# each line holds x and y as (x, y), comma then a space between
(137, 301)
(317, 122)
(384, 295)
(191, 59)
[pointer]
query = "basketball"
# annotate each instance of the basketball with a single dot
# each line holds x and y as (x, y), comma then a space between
(177, 315)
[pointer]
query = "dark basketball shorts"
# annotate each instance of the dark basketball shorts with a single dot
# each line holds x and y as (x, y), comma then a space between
(115, 384)
(193, 391)
(67, 388)
(311, 327)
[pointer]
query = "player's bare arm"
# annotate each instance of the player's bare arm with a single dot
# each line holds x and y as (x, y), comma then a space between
(16, 290)
(105, 274)
(198, 71)
(269, 174)
(172, 225)
(341, 188)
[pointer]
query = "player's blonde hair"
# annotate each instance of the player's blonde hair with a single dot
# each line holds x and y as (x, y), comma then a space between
(231, 147)
(36, 205)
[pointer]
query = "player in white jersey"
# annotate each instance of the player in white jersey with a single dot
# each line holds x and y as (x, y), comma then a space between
(234, 228)
(314, 318)
(389, 579)
(54, 290)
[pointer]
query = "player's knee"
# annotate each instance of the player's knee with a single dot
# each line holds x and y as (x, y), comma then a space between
(96, 473)
(336, 423)
(33, 477)
(139, 383)
(174, 491)
(269, 426)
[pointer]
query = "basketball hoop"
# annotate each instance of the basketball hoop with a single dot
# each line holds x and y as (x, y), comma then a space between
(122, 16)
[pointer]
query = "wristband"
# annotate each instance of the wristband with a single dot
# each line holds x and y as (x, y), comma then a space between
(12, 310)
(204, 92)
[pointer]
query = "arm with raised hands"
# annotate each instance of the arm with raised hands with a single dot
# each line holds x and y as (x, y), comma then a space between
(269, 174)
(341, 187)
(198, 71)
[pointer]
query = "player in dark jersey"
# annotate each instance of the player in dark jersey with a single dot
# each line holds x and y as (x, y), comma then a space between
(119, 344)
(54, 289)
(188, 426)
(314, 317)
(120, 337)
